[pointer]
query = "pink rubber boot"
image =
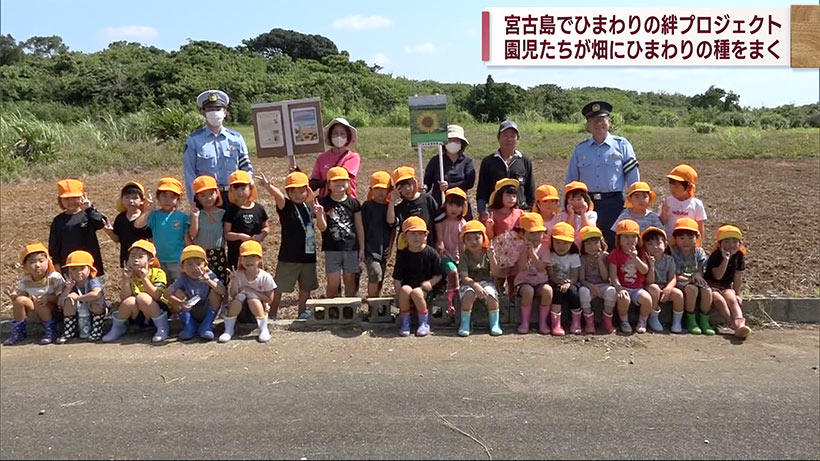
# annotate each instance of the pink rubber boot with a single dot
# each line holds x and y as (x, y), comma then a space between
(606, 323)
(524, 328)
(589, 323)
(575, 327)
(557, 329)
(543, 312)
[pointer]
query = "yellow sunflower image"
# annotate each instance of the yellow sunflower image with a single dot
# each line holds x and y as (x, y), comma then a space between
(427, 122)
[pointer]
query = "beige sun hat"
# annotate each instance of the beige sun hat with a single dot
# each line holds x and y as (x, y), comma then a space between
(456, 131)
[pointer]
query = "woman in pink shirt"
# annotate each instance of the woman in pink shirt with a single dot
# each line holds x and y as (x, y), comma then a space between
(341, 136)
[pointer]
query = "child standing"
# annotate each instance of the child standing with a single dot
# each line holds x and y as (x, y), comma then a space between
(130, 206)
(407, 200)
(82, 298)
(244, 219)
(142, 294)
(76, 227)
(251, 289)
(449, 225)
(682, 202)
(639, 200)
(417, 270)
(502, 222)
(578, 208)
(564, 270)
(547, 204)
(36, 292)
(475, 269)
(532, 277)
(196, 294)
(661, 280)
(297, 252)
(593, 279)
(378, 236)
(342, 234)
(168, 225)
(627, 272)
(724, 273)
(690, 265)
(207, 229)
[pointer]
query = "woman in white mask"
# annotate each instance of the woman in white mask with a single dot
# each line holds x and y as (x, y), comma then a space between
(340, 136)
(459, 169)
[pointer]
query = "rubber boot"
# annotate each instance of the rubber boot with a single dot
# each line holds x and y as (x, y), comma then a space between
(451, 307)
(526, 312)
(543, 314)
(676, 322)
(188, 326)
(692, 324)
(575, 326)
(641, 326)
(464, 324)
(69, 329)
(49, 332)
(118, 329)
(230, 324)
(655, 321)
(97, 321)
(404, 323)
(606, 324)
(18, 332)
(161, 322)
(424, 325)
(705, 326)
(626, 328)
(206, 328)
(589, 323)
(741, 330)
(495, 323)
(557, 329)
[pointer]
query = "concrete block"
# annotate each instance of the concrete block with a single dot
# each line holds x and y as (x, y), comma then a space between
(764, 308)
(480, 318)
(333, 311)
(437, 309)
(380, 310)
(804, 310)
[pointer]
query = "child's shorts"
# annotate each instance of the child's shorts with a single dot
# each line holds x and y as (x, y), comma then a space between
(535, 287)
(245, 315)
(634, 293)
(171, 271)
(288, 273)
(218, 263)
(142, 321)
(375, 270)
(342, 261)
(489, 288)
(448, 264)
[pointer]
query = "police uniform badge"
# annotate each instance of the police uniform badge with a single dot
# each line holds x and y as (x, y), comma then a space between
(213, 97)
(595, 107)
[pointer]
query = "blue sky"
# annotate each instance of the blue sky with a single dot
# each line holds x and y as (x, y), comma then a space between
(422, 39)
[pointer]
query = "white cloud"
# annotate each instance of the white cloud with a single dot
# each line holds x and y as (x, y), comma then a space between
(359, 22)
(421, 48)
(380, 59)
(143, 34)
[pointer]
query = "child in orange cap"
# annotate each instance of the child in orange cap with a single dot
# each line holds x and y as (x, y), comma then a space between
(76, 227)
(82, 297)
(548, 205)
(639, 200)
(627, 273)
(593, 279)
(502, 228)
(142, 294)
(207, 229)
(378, 236)
(298, 214)
(682, 202)
(417, 271)
(475, 269)
(690, 265)
(130, 206)
(245, 218)
(532, 277)
(36, 293)
(168, 224)
(661, 280)
(579, 211)
(564, 271)
(196, 294)
(724, 273)
(449, 224)
(251, 289)
(407, 199)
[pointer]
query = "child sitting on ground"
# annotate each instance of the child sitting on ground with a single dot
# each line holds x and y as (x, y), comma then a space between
(594, 279)
(724, 274)
(661, 280)
(475, 269)
(449, 225)
(196, 294)
(532, 276)
(250, 289)
(82, 298)
(627, 272)
(417, 270)
(564, 270)
(168, 225)
(76, 227)
(690, 265)
(130, 206)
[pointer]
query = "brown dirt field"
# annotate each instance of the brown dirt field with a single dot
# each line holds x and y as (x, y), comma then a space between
(771, 200)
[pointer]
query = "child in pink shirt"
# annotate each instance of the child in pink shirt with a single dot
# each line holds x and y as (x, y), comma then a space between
(449, 225)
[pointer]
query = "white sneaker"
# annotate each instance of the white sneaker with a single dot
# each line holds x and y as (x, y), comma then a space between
(264, 336)
(224, 338)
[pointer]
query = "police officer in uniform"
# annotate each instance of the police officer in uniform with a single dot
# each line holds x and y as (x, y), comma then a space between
(213, 149)
(606, 164)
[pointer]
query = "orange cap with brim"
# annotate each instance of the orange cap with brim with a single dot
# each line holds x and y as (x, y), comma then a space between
(403, 173)
(476, 227)
(458, 192)
(532, 222)
(545, 192)
(502, 183)
(728, 231)
(628, 227)
(193, 251)
(81, 258)
(298, 179)
(578, 185)
(337, 173)
(206, 182)
(379, 180)
(687, 174)
(69, 188)
(589, 232)
(120, 206)
(653, 229)
(241, 177)
(250, 248)
(414, 224)
(563, 231)
(687, 224)
(36, 247)
(640, 186)
(170, 185)
(147, 246)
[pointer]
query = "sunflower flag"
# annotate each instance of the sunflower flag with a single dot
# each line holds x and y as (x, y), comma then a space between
(428, 120)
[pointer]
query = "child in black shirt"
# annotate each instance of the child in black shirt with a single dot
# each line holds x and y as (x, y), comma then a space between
(378, 235)
(418, 269)
(724, 274)
(76, 227)
(244, 219)
(407, 200)
(130, 206)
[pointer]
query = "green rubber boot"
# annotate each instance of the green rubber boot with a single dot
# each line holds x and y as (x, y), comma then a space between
(692, 324)
(705, 327)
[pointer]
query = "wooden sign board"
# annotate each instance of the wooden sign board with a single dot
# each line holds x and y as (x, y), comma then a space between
(805, 22)
(288, 128)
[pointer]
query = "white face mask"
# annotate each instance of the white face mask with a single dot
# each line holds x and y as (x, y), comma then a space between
(453, 147)
(215, 117)
(339, 141)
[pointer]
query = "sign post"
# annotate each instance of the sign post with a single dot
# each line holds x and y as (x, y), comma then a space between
(428, 127)
(288, 128)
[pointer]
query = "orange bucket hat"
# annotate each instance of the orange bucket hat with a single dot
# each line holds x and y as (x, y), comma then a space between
(578, 185)
(413, 224)
(36, 247)
(120, 206)
(147, 246)
(241, 177)
(298, 179)
(545, 192)
(379, 180)
(685, 173)
(476, 227)
(69, 188)
(532, 222)
(193, 251)
(206, 182)
(627, 227)
(502, 183)
(590, 232)
(728, 231)
(337, 173)
(688, 224)
(651, 230)
(404, 173)
(563, 231)
(170, 185)
(250, 248)
(81, 258)
(458, 192)
(640, 186)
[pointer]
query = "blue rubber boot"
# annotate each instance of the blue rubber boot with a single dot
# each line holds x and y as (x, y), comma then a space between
(206, 328)
(49, 332)
(424, 325)
(188, 325)
(464, 323)
(404, 323)
(118, 329)
(161, 322)
(495, 324)
(18, 332)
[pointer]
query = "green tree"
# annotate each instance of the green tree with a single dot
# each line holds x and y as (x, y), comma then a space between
(492, 102)
(291, 43)
(47, 47)
(11, 52)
